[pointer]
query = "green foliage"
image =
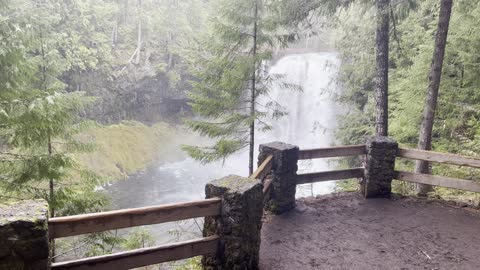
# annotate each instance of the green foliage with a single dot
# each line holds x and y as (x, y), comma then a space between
(356, 44)
(39, 120)
(48, 49)
(231, 78)
(13, 69)
(40, 135)
(190, 264)
(412, 38)
(102, 243)
(87, 45)
(139, 238)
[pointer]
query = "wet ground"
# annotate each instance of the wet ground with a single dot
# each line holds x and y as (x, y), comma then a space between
(345, 231)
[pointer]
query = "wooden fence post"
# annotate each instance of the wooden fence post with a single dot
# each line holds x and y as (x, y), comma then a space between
(24, 236)
(379, 168)
(284, 175)
(238, 225)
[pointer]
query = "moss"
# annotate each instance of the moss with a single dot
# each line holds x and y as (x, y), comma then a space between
(126, 148)
(234, 182)
(347, 185)
(272, 207)
(33, 211)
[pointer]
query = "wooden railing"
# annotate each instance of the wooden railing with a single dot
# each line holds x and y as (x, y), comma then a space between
(435, 180)
(98, 222)
(330, 175)
(430, 156)
(144, 256)
(262, 172)
(264, 168)
(126, 218)
(341, 151)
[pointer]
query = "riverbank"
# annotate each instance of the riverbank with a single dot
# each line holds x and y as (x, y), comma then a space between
(130, 147)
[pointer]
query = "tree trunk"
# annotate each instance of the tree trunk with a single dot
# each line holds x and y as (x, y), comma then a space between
(381, 80)
(115, 35)
(139, 37)
(425, 138)
(125, 12)
(51, 198)
(253, 94)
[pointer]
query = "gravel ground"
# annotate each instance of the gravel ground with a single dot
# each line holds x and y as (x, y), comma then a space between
(345, 231)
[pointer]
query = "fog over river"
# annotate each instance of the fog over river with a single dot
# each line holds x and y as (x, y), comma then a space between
(309, 124)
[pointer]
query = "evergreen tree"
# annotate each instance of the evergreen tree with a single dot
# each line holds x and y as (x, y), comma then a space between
(232, 78)
(40, 120)
(414, 26)
(382, 40)
(425, 137)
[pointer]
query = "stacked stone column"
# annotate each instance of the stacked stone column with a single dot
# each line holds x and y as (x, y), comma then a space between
(238, 225)
(24, 236)
(284, 175)
(379, 167)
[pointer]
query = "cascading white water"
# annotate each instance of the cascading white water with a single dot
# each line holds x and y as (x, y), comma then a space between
(309, 124)
(312, 112)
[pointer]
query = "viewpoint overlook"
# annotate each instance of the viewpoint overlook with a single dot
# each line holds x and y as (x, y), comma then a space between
(239, 135)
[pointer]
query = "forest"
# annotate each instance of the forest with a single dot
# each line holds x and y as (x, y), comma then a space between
(93, 92)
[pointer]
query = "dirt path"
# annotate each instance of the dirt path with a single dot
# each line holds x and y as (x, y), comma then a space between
(348, 232)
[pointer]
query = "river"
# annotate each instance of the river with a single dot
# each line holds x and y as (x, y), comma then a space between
(310, 123)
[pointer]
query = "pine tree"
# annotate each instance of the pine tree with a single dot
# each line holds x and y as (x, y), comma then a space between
(39, 119)
(232, 78)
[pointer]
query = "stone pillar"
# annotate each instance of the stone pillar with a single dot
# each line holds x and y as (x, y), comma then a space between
(238, 225)
(24, 236)
(379, 168)
(284, 175)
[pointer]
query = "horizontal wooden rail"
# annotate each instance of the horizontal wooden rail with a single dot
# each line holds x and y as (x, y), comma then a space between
(266, 185)
(435, 180)
(144, 256)
(330, 175)
(104, 221)
(263, 169)
(340, 151)
(439, 157)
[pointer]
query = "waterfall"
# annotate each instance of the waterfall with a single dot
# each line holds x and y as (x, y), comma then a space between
(312, 113)
(309, 124)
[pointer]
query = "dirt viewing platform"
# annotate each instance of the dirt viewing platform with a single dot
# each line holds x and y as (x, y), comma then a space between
(346, 231)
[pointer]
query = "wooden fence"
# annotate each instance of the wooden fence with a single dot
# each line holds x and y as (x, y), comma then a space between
(339, 151)
(435, 180)
(125, 218)
(98, 222)
(430, 156)
(262, 172)
(144, 256)
(342, 151)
